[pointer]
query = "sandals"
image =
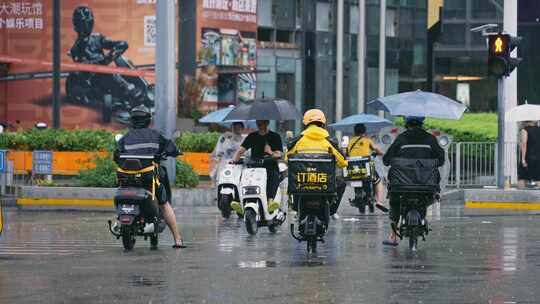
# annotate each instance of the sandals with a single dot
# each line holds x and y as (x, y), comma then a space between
(390, 243)
(179, 246)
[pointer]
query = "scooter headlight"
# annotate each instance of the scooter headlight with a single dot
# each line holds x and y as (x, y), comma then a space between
(386, 139)
(251, 190)
(227, 172)
(444, 141)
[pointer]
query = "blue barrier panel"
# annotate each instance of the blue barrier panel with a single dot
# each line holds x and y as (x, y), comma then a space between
(3, 154)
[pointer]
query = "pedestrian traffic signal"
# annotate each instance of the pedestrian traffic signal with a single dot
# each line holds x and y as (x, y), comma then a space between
(499, 62)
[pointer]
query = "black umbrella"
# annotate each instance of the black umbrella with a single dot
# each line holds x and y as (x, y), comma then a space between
(265, 109)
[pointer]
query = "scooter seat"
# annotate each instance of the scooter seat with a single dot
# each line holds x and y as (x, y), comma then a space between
(133, 195)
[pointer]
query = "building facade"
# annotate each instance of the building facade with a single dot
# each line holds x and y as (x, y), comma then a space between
(297, 44)
(460, 59)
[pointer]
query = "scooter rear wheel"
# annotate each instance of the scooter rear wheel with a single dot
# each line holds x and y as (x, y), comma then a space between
(128, 239)
(312, 245)
(273, 228)
(154, 241)
(413, 241)
(250, 218)
(225, 206)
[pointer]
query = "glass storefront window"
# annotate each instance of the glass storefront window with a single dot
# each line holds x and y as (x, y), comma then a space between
(454, 34)
(455, 9)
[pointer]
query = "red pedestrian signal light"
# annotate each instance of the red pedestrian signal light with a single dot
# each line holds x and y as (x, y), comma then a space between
(500, 46)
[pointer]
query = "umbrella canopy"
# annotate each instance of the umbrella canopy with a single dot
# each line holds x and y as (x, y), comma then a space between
(265, 109)
(420, 103)
(526, 112)
(373, 123)
(218, 117)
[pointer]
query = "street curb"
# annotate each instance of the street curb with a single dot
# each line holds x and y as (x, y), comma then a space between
(513, 199)
(96, 199)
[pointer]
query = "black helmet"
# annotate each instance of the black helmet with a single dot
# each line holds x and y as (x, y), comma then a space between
(83, 20)
(359, 129)
(141, 116)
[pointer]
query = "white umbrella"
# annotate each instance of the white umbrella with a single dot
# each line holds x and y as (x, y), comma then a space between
(419, 103)
(526, 112)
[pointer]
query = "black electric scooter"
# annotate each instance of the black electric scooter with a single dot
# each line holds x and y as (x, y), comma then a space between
(312, 184)
(136, 201)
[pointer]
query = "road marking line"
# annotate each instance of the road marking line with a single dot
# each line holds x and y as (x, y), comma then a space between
(36, 253)
(64, 202)
(503, 205)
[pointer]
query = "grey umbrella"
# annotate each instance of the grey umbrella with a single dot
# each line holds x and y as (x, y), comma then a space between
(265, 109)
(420, 103)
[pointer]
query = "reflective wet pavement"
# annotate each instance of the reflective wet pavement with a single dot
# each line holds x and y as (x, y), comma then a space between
(69, 257)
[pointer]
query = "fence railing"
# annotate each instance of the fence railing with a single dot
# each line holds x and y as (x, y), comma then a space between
(475, 163)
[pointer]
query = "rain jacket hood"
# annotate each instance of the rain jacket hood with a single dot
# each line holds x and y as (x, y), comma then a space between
(317, 140)
(315, 133)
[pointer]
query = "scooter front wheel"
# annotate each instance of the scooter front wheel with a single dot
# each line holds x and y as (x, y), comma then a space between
(250, 218)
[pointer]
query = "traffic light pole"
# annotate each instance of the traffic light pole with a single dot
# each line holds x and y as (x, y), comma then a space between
(510, 92)
(166, 75)
(501, 109)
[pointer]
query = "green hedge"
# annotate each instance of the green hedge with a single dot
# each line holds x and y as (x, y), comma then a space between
(186, 177)
(104, 175)
(472, 127)
(91, 140)
(198, 142)
(57, 140)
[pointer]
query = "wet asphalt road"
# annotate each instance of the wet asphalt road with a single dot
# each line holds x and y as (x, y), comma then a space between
(70, 257)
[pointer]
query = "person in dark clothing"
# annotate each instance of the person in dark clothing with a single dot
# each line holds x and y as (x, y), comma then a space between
(263, 143)
(413, 137)
(141, 140)
(89, 48)
(530, 159)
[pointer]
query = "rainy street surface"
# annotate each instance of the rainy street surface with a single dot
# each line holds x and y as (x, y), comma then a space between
(70, 257)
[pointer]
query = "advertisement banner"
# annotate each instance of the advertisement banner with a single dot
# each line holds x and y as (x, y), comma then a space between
(108, 57)
(107, 49)
(227, 39)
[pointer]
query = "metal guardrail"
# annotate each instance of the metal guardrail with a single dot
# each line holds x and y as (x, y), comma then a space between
(474, 164)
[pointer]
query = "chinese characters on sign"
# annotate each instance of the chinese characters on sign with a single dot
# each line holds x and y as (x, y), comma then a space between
(21, 15)
(42, 162)
(231, 10)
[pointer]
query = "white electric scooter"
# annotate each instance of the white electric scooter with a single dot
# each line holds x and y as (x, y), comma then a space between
(254, 199)
(227, 188)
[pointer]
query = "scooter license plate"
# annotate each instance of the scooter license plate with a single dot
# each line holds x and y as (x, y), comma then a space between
(129, 209)
(357, 184)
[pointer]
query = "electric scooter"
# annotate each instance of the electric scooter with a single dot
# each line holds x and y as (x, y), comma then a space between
(312, 185)
(254, 199)
(415, 183)
(360, 177)
(136, 201)
(227, 188)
